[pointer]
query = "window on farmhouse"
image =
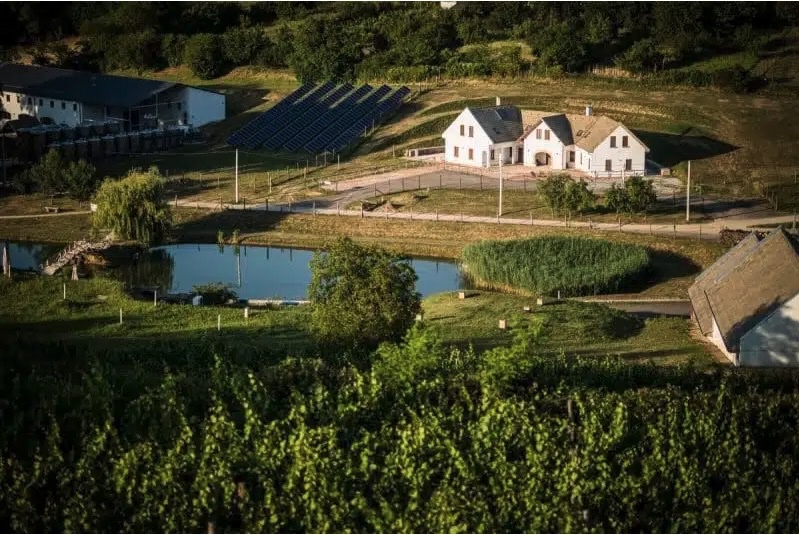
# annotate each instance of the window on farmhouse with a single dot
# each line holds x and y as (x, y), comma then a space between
(52, 104)
(41, 102)
(538, 134)
(546, 135)
(471, 131)
(612, 142)
(471, 154)
(463, 130)
(628, 165)
(608, 165)
(455, 151)
(625, 141)
(63, 105)
(492, 154)
(8, 98)
(75, 106)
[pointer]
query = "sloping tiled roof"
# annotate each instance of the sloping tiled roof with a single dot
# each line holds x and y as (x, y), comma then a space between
(757, 279)
(78, 86)
(585, 131)
(560, 126)
(500, 123)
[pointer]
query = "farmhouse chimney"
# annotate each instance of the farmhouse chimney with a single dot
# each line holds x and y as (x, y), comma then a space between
(589, 110)
(499, 101)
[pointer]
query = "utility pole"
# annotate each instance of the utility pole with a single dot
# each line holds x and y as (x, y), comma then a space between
(3, 141)
(500, 184)
(688, 196)
(237, 176)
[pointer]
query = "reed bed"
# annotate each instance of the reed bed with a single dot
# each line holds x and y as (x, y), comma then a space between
(547, 265)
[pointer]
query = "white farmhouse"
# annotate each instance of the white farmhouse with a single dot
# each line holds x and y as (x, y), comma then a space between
(481, 136)
(595, 145)
(747, 302)
(80, 98)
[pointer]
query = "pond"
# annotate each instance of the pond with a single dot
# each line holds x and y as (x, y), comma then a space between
(253, 272)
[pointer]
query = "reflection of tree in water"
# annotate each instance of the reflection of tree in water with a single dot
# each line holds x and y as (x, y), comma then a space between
(151, 268)
(38, 252)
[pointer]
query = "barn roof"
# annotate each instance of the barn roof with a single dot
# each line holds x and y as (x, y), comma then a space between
(747, 284)
(501, 123)
(78, 86)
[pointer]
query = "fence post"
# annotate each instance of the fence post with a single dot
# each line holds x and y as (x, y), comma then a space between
(439, 181)
(338, 209)
(419, 182)
(361, 210)
(155, 298)
(674, 225)
(65, 291)
(314, 208)
(120, 316)
(531, 218)
(219, 322)
(436, 214)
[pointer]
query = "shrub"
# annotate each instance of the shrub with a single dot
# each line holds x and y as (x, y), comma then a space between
(173, 47)
(637, 195)
(242, 46)
(561, 192)
(574, 266)
(203, 55)
(215, 293)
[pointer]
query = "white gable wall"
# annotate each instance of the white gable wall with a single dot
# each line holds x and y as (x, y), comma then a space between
(203, 107)
(479, 142)
(553, 146)
(775, 340)
(715, 337)
(636, 152)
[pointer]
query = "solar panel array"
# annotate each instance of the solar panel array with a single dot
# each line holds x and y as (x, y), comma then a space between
(320, 118)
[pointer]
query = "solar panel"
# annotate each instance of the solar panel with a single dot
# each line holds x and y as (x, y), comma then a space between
(278, 109)
(372, 118)
(306, 116)
(344, 122)
(268, 129)
(326, 119)
(323, 117)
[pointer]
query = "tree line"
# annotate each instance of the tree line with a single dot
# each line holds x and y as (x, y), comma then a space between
(348, 40)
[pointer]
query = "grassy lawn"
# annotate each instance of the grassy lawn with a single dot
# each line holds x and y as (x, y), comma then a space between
(572, 327)
(57, 229)
(90, 314)
(34, 204)
(36, 307)
(516, 204)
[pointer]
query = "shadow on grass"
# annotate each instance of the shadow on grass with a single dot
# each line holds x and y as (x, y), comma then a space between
(204, 229)
(670, 149)
(664, 266)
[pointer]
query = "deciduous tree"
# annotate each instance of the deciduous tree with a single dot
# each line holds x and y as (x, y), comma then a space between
(134, 207)
(360, 295)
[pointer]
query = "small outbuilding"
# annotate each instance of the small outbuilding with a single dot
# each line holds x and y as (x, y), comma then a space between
(747, 302)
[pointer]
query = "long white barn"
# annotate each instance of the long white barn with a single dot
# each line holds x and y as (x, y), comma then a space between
(595, 145)
(79, 98)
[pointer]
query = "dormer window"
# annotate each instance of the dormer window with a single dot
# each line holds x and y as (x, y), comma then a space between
(612, 142)
(625, 141)
(463, 130)
(546, 135)
(471, 131)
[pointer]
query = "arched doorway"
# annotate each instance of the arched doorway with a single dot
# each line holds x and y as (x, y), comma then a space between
(543, 158)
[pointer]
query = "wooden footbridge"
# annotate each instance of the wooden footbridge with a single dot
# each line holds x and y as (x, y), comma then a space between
(73, 251)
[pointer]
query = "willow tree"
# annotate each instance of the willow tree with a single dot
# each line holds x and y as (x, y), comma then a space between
(134, 207)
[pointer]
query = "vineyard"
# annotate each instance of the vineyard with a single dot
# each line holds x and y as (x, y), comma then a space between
(422, 438)
(572, 266)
